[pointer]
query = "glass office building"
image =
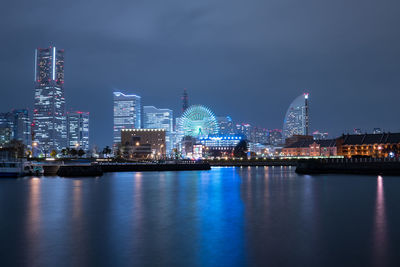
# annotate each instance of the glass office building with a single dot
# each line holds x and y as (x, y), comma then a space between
(127, 114)
(49, 120)
(159, 118)
(78, 130)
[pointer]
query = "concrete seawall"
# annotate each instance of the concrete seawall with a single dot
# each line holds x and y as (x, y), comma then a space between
(246, 163)
(137, 167)
(349, 166)
(79, 171)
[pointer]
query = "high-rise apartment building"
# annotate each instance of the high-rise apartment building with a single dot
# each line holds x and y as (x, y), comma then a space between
(49, 121)
(78, 130)
(159, 118)
(127, 114)
(296, 120)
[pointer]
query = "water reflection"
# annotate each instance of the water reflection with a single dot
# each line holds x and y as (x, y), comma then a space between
(33, 221)
(380, 226)
(223, 217)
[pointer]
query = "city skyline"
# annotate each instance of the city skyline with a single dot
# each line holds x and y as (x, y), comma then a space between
(249, 67)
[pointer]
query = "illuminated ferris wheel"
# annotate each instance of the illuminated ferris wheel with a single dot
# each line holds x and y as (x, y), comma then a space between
(199, 120)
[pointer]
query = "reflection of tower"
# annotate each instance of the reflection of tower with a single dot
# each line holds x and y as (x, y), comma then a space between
(185, 100)
(306, 115)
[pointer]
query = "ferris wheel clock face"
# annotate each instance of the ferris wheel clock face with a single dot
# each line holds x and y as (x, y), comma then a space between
(198, 120)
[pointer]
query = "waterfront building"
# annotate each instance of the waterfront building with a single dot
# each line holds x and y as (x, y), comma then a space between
(198, 121)
(296, 120)
(156, 118)
(310, 148)
(49, 121)
(320, 135)
(369, 145)
(275, 137)
(134, 141)
(78, 130)
(220, 145)
(127, 114)
(226, 125)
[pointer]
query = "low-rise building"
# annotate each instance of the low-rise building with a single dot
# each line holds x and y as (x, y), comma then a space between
(369, 145)
(220, 145)
(143, 141)
(311, 148)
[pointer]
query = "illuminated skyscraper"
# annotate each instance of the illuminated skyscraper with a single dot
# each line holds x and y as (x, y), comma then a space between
(159, 118)
(78, 130)
(127, 114)
(297, 118)
(49, 121)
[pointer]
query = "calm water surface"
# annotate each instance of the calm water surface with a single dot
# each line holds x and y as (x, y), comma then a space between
(223, 217)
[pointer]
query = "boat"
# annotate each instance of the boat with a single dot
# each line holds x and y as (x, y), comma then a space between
(33, 169)
(19, 169)
(11, 169)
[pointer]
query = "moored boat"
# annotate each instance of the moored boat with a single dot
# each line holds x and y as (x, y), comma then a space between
(11, 169)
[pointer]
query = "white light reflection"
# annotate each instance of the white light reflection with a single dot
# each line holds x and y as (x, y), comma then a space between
(380, 225)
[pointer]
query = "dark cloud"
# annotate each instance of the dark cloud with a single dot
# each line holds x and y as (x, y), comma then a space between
(248, 59)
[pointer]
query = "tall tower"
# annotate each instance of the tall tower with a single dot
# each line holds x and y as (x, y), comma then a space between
(307, 122)
(185, 100)
(127, 114)
(296, 120)
(49, 121)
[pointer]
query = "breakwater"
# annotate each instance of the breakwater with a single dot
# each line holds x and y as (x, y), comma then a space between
(140, 167)
(254, 162)
(79, 171)
(370, 166)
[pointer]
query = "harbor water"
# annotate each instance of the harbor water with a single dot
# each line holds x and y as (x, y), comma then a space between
(228, 216)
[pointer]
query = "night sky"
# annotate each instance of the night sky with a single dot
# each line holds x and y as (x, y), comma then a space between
(244, 58)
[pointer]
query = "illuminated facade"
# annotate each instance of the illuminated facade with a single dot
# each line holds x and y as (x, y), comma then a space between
(369, 145)
(49, 121)
(198, 121)
(127, 114)
(135, 142)
(221, 142)
(275, 137)
(78, 130)
(156, 118)
(244, 129)
(296, 120)
(226, 125)
(311, 148)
